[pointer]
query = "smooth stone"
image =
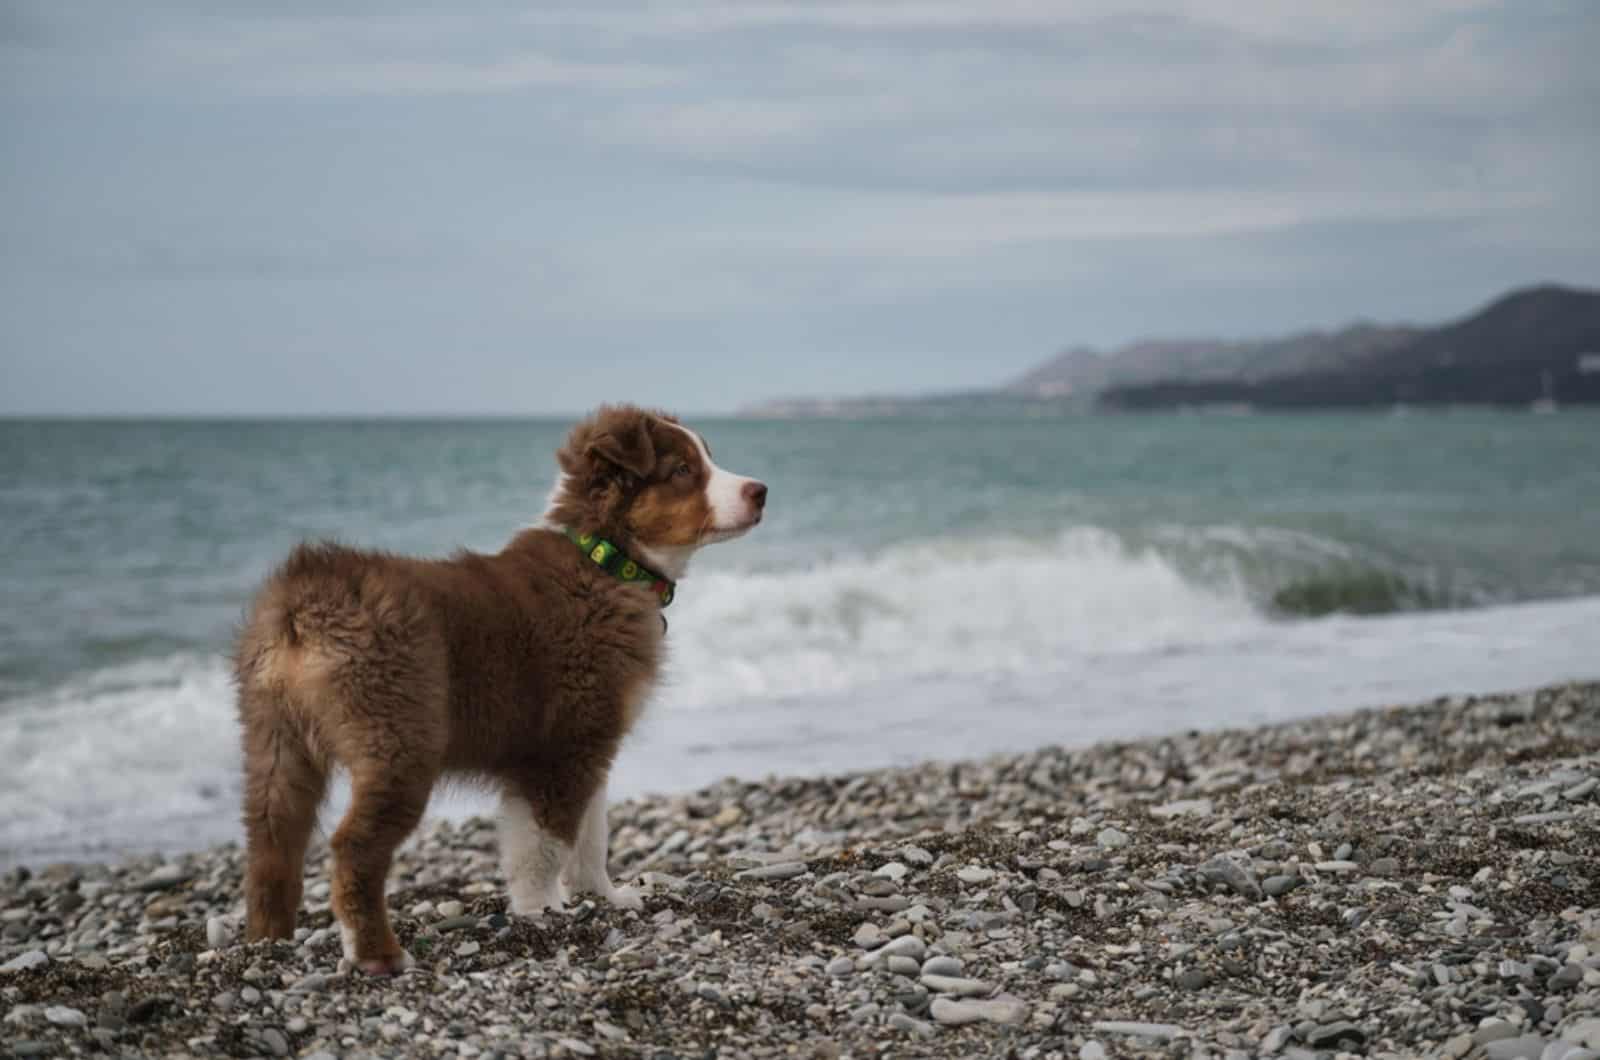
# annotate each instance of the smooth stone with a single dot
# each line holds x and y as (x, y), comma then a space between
(455, 923)
(1277, 1038)
(311, 984)
(275, 1042)
(447, 910)
(1112, 839)
(1092, 1050)
(1585, 1032)
(1160, 1031)
(1522, 1047)
(1337, 866)
(956, 1013)
(1330, 1035)
(1193, 979)
(25, 961)
(1494, 1031)
(1581, 790)
(894, 870)
(904, 946)
(782, 870)
(161, 879)
(467, 949)
(903, 1022)
(1385, 866)
(942, 965)
(947, 984)
(64, 1016)
(1183, 807)
(1232, 872)
(218, 934)
(840, 966)
(905, 966)
(868, 935)
(974, 874)
(1278, 886)
(1569, 976)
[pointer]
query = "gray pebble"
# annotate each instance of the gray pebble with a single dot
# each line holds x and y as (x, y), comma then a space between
(1494, 1031)
(903, 1022)
(1112, 839)
(218, 933)
(1160, 1031)
(1193, 979)
(955, 1013)
(1523, 1047)
(1233, 872)
(945, 984)
(1277, 1038)
(275, 1042)
(1092, 1050)
(1568, 977)
(942, 965)
(1278, 886)
(906, 966)
(65, 1016)
(840, 966)
(25, 961)
(1333, 1035)
(783, 870)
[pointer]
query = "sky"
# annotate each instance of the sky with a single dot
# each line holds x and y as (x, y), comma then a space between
(355, 206)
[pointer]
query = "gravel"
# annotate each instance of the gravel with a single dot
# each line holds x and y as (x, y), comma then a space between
(1406, 882)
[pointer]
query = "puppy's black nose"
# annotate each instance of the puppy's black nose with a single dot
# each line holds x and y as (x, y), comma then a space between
(756, 493)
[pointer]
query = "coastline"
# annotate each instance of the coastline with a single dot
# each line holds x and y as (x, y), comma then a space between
(1403, 881)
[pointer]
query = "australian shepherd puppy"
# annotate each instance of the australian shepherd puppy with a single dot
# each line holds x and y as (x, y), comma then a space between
(524, 669)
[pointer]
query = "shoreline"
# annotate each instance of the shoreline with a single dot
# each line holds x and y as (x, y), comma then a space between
(1378, 883)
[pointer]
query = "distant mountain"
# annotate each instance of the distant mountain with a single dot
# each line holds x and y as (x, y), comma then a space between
(1531, 345)
(1083, 371)
(1540, 344)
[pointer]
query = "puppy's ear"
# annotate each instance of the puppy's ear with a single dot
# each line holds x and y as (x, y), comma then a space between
(625, 443)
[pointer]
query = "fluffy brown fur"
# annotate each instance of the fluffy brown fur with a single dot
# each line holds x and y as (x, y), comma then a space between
(526, 667)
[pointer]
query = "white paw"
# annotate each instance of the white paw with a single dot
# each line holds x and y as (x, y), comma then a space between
(625, 898)
(530, 900)
(347, 942)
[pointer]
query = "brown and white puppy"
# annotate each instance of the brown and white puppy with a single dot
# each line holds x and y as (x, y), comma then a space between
(524, 668)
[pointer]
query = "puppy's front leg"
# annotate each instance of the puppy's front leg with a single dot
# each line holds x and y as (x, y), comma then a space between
(531, 857)
(589, 872)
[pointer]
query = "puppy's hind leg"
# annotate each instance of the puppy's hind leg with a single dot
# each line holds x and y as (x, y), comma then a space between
(387, 798)
(283, 789)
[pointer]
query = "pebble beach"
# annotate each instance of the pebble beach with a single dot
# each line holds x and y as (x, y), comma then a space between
(1415, 881)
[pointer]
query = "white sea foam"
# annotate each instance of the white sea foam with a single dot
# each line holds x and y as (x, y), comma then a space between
(942, 649)
(937, 609)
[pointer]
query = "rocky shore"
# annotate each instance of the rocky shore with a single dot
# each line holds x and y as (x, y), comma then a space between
(1416, 881)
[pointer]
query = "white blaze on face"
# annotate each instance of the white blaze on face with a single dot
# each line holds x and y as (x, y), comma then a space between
(732, 513)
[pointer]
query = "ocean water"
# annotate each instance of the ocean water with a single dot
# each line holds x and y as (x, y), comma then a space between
(921, 589)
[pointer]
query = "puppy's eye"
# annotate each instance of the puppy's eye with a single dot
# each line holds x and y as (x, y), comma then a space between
(682, 471)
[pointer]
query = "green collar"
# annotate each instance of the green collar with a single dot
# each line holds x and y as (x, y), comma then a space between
(615, 562)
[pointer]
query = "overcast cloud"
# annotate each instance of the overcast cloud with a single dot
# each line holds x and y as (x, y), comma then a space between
(523, 208)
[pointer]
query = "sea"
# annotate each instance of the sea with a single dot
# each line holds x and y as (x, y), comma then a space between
(921, 588)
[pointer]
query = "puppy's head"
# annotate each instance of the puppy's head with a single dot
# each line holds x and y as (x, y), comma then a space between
(647, 481)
